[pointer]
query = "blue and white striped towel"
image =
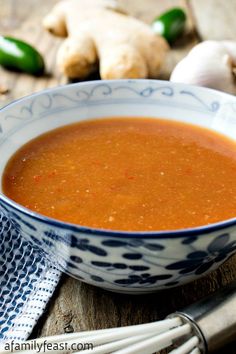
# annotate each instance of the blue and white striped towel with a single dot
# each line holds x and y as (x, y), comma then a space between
(26, 284)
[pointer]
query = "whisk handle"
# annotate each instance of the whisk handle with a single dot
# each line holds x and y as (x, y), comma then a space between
(213, 319)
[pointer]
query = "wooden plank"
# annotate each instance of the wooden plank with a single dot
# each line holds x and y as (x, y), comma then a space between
(15, 13)
(215, 19)
(30, 30)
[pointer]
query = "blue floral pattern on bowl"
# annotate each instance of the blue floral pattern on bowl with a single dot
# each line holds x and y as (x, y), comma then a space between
(126, 262)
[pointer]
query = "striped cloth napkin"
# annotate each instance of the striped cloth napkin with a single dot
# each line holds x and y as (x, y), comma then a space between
(26, 284)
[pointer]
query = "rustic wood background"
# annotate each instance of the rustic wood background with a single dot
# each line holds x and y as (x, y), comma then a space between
(76, 306)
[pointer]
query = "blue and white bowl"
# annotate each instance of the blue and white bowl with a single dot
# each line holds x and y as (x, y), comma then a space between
(129, 262)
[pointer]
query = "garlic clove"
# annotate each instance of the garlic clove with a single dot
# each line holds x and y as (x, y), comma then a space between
(209, 64)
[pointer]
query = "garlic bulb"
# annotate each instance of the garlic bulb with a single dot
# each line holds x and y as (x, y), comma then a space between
(210, 64)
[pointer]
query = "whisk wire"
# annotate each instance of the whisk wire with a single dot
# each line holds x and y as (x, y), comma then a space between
(195, 351)
(157, 342)
(187, 346)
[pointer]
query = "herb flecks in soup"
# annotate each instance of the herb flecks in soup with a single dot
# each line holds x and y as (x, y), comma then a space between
(127, 174)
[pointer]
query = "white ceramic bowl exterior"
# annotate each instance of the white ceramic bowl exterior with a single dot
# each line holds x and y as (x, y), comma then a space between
(136, 262)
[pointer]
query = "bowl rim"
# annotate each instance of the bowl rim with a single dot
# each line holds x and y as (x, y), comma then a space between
(179, 233)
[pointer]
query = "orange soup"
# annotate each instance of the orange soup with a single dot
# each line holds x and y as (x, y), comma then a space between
(131, 174)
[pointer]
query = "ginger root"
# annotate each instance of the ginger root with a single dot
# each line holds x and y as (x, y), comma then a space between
(98, 33)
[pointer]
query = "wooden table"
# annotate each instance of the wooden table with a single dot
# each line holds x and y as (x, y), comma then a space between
(76, 306)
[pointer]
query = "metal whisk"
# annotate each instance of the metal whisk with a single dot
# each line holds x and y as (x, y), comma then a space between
(198, 329)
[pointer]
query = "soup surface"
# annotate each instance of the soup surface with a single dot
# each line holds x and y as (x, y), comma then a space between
(127, 174)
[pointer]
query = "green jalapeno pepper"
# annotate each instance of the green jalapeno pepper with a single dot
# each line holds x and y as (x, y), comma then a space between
(170, 24)
(18, 55)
